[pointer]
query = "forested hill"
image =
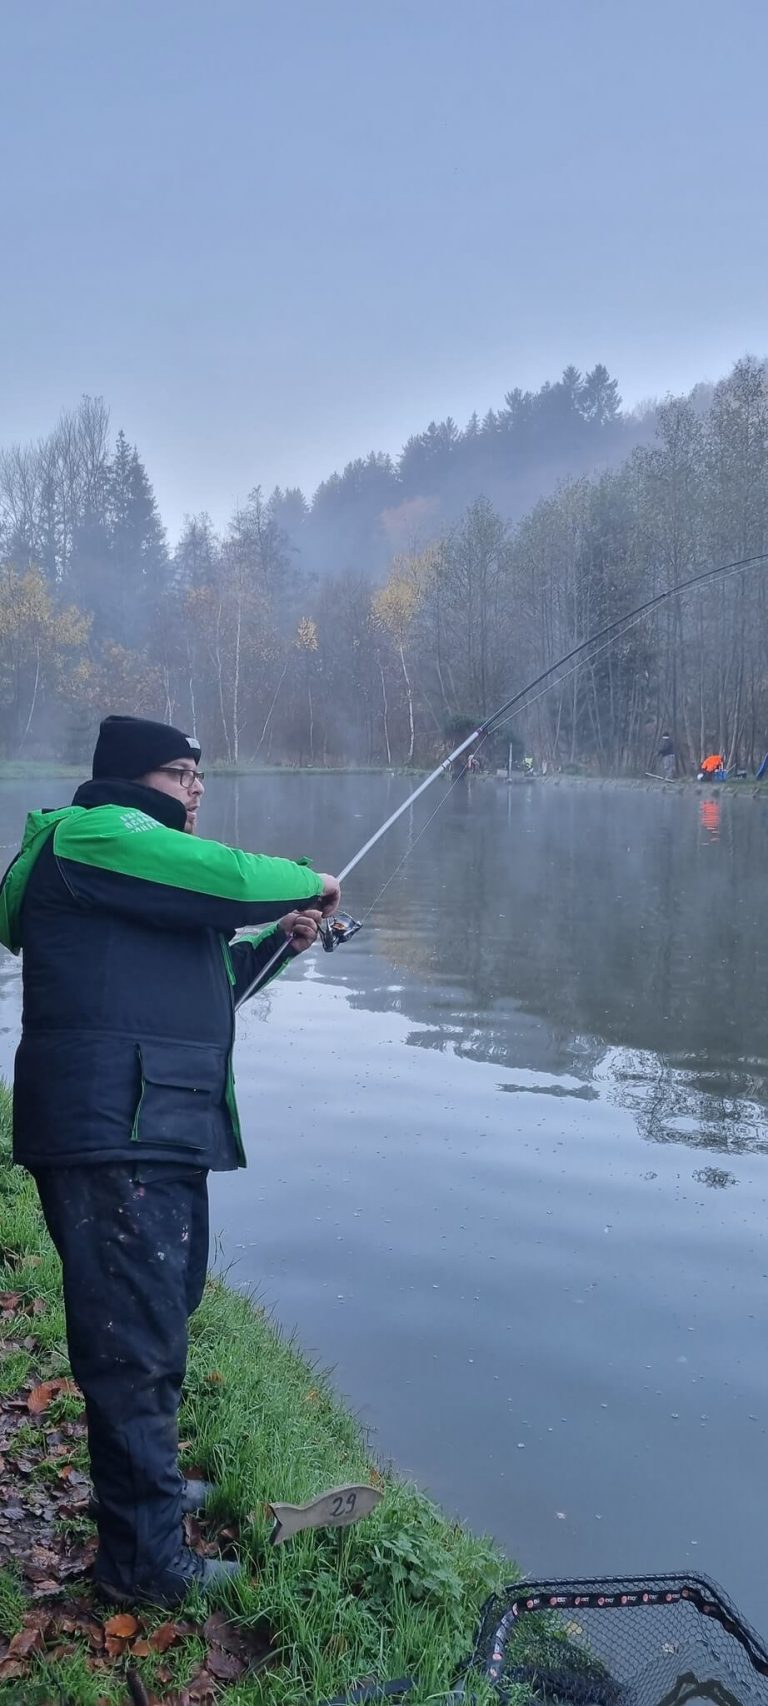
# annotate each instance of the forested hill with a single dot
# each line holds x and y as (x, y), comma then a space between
(368, 625)
(512, 456)
(70, 500)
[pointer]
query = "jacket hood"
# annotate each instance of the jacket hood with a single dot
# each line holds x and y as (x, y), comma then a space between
(40, 826)
(38, 829)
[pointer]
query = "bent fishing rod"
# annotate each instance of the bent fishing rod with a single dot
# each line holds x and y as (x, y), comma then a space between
(335, 931)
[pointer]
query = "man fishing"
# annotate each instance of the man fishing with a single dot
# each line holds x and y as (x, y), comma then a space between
(124, 1100)
(666, 753)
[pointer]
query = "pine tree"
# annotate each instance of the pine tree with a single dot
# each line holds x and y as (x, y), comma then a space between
(138, 555)
(600, 400)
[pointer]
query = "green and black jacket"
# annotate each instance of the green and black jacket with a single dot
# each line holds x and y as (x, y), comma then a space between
(131, 978)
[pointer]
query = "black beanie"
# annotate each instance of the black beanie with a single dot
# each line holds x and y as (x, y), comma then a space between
(132, 746)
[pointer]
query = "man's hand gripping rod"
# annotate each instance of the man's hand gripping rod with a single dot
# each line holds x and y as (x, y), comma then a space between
(332, 932)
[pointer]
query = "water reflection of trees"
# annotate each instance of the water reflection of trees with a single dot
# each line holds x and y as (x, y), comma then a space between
(670, 1105)
(602, 934)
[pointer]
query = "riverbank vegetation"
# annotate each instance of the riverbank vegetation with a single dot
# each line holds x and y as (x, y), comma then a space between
(409, 597)
(398, 1595)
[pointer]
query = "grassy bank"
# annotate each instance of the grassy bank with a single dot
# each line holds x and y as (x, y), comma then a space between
(745, 788)
(396, 1596)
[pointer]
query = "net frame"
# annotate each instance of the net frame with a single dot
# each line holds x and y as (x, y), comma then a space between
(503, 1616)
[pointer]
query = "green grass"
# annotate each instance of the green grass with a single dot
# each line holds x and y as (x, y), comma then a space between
(12, 1602)
(397, 1595)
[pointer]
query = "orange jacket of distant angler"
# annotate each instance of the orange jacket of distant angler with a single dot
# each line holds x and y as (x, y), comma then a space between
(714, 762)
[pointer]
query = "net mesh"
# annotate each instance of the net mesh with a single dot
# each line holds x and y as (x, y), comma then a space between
(655, 1641)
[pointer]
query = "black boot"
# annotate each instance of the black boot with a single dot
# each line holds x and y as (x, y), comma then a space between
(171, 1586)
(194, 1498)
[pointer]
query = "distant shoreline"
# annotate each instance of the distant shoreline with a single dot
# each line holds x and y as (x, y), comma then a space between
(748, 787)
(20, 770)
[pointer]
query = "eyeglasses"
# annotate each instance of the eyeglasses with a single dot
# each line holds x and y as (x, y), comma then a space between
(187, 778)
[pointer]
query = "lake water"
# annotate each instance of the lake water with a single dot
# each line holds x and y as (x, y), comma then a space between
(509, 1154)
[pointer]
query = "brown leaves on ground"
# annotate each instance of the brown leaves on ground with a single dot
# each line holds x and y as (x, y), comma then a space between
(122, 1625)
(13, 1303)
(43, 1530)
(41, 1396)
(232, 1651)
(44, 1490)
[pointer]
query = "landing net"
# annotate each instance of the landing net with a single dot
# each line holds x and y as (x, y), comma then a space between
(650, 1641)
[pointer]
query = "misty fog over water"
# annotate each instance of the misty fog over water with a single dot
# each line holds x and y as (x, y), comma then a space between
(508, 1151)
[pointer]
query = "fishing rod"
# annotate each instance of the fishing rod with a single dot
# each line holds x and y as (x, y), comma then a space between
(334, 931)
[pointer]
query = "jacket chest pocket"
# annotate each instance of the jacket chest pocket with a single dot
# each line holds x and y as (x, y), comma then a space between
(180, 1086)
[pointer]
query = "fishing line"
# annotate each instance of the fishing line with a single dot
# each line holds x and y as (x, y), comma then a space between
(614, 627)
(518, 711)
(610, 632)
(408, 851)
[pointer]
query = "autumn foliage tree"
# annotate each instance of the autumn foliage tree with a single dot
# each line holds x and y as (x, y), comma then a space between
(41, 647)
(409, 592)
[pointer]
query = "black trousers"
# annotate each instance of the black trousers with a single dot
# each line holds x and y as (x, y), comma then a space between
(133, 1242)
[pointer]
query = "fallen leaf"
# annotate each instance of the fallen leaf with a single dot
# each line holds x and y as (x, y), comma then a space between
(163, 1638)
(122, 1625)
(12, 1667)
(40, 1561)
(114, 1647)
(9, 1300)
(216, 1628)
(74, 1507)
(141, 1649)
(65, 1651)
(201, 1688)
(39, 1619)
(39, 1306)
(226, 1667)
(79, 1559)
(25, 1642)
(41, 1396)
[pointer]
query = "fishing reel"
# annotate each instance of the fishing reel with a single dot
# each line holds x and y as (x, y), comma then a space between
(334, 931)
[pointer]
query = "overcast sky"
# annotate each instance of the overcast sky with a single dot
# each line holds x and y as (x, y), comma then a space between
(276, 235)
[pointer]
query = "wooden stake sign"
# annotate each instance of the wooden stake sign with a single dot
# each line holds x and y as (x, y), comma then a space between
(338, 1508)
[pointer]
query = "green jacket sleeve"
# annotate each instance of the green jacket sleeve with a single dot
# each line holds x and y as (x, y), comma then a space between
(124, 861)
(249, 956)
